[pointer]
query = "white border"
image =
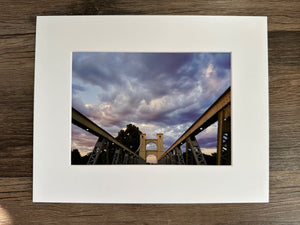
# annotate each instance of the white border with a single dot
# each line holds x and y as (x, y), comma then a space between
(54, 180)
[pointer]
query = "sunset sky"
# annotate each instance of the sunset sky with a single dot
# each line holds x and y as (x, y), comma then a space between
(158, 92)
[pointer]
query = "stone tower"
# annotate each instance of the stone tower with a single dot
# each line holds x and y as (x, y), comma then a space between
(159, 143)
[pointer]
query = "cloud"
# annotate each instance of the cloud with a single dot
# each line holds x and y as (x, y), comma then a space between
(158, 92)
(77, 88)
(82, 140)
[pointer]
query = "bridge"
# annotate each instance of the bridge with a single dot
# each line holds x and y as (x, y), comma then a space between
(109, 151)
(112, 151)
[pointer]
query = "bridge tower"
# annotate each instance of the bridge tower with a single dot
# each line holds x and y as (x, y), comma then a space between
(142, 152)
(159, 141)
(160, 145)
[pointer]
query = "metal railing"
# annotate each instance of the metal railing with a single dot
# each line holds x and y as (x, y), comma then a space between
(107, 149)
(219, 111)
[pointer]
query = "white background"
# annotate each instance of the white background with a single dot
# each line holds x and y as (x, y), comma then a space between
(55, 180)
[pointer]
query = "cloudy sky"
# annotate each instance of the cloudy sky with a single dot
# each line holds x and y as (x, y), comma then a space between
(158, 92)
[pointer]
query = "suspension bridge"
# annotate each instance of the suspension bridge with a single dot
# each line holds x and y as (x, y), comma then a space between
(108, 150)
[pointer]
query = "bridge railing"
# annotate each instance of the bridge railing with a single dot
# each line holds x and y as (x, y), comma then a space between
(107, 149)
(219, 111)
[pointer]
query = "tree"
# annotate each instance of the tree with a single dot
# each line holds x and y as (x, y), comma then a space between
(75, 157)
(130, 137)
(84, 159)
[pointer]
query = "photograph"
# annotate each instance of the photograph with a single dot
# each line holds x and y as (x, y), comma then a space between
(151, 108)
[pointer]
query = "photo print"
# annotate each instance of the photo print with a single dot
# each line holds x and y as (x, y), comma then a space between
(151, 108)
